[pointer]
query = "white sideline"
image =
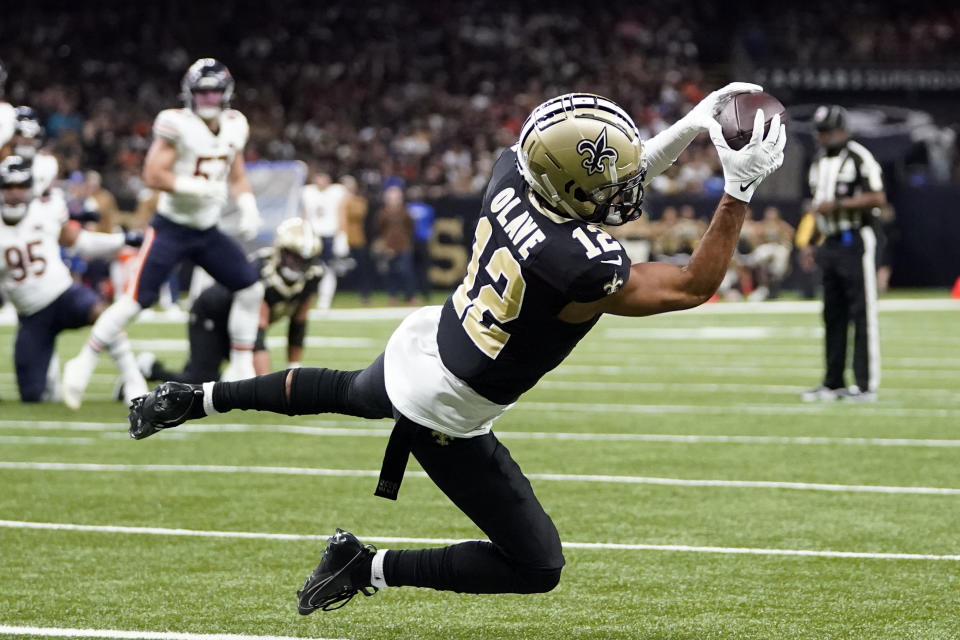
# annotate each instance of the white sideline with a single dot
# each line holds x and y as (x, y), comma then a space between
(344, 428)
(273, 342)
(160, 531)
(57, 632)
(558, 477)
(644, 386)
(45, 439)
(612, 366)
(150, 316)
(840, 408)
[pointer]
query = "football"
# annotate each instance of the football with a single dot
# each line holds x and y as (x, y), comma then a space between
(736, 118)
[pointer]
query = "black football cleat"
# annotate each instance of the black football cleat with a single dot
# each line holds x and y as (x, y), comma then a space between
(168, 405)
(344, 570)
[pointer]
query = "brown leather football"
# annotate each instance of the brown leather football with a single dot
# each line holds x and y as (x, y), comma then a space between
(736, 118)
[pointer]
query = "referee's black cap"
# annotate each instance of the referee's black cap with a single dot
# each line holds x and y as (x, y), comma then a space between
(830, 117)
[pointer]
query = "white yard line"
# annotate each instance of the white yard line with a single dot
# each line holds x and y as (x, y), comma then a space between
(740, 333)
(275, 342)
(720, 387)
(347, 429)
(612, 366)
(844, 409)
(725, 308)
(45, 440)
(55, 526)
(57, 632)
(557, 477)
(96, 377)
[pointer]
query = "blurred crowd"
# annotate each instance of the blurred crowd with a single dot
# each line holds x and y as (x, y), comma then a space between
(375, 90)
(422, 96)
(425, 92)
(828, 32)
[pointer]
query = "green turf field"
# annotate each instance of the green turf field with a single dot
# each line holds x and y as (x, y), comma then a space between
(699, 498)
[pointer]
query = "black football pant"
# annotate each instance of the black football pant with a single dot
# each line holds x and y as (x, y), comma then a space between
(848, 263)
(523, 554)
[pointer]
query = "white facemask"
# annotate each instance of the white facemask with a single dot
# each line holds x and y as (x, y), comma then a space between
(290, 275)
(13, 213)
(208, 113)
(25, 151)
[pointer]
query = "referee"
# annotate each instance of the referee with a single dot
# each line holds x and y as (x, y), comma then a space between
(846, 189)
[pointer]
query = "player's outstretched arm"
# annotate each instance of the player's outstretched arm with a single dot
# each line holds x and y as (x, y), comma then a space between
(663, 149)
(656, 287)
(95, 244)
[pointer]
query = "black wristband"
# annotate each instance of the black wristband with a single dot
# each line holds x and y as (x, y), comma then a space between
(260, 344)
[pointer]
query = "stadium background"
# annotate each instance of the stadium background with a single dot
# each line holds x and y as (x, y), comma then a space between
(700, 497)
(427, 94)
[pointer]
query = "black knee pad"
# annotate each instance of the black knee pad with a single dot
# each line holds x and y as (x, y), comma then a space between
(540, 580)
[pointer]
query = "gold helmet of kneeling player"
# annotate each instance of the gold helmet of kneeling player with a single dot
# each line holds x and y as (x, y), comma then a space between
(580, 153)
(296, 248)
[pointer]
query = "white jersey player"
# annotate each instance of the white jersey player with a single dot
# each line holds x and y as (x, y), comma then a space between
(195, 160)
(26, 142)
(204, 158)
(323, 203)
(38, 283)
(7, 115)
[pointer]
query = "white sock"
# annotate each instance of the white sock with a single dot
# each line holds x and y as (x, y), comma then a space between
(245, 317)
(52, 392)
(376, 570)
(208, 407)
(241, 358)
(112, 322)
(328, 286)
(123, 358)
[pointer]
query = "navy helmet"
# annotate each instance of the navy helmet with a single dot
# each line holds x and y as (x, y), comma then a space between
(207, 74)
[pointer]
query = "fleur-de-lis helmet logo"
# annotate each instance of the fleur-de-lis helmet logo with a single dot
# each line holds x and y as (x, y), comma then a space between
(596, 151)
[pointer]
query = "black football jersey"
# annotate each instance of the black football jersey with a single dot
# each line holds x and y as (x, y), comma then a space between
(499, 330)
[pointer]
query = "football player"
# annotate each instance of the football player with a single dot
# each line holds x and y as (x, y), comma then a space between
(323, 204)
(290, 274)
(195, 159)
(541, 274)
(38, 283)
(26, 142)
(8, 116)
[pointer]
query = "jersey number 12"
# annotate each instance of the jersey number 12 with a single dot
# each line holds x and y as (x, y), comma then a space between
(471, 307)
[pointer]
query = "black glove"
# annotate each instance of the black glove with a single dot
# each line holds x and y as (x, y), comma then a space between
(133, 238)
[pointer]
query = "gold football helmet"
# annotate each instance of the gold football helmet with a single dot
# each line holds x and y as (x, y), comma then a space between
(580, 153)
(296, 247)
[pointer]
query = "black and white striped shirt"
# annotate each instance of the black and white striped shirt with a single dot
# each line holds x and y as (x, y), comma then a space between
(833, 177)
